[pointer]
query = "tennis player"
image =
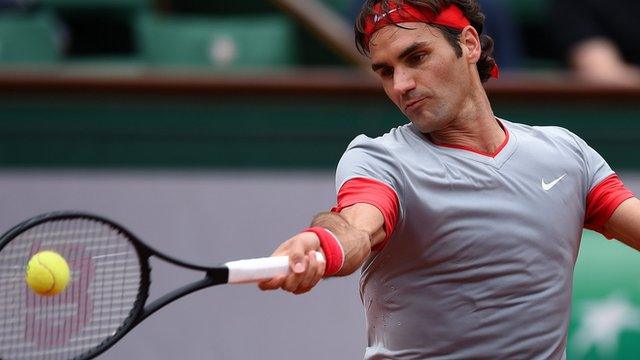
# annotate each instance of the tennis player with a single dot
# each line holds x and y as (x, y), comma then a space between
(466, 226)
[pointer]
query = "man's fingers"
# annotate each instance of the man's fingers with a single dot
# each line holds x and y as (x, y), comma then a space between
(297, 260)
(305, 284)
(300, 267)
(315, 278)
(292, 281)
(310, 275)
(322, 267)
(272, 284)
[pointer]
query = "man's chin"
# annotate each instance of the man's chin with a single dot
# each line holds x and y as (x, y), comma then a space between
(424, 124)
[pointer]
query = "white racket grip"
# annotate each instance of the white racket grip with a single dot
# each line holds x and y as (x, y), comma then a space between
(254, 270)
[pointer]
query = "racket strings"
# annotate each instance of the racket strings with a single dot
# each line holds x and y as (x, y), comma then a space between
(103, 288)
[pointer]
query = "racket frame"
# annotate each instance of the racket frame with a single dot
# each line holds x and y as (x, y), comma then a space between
(140, 310)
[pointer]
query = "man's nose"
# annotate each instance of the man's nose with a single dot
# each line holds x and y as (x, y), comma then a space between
(403, 81)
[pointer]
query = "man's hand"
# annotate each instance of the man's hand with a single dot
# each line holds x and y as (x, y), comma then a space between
(357, 228)
(306, 271)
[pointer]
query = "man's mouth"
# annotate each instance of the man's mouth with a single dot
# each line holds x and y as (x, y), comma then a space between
(414, 103)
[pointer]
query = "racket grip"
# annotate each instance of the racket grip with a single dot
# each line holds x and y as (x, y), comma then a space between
(254, 270)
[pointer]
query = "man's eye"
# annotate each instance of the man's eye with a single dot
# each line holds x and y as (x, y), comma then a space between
(386, 72)
(417, 58)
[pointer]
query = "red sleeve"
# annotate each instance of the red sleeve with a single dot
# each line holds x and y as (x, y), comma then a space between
(603, 200)
(372, 192)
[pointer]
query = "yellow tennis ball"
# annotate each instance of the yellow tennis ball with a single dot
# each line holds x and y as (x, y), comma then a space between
(47, 273)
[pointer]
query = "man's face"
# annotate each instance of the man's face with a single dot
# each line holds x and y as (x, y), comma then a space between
(421, 73)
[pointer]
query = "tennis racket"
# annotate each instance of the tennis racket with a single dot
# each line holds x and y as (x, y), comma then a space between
(107, 294)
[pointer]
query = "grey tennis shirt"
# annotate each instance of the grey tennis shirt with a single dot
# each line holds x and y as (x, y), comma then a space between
(480, 264)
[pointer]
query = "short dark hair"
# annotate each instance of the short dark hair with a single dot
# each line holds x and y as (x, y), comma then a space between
(469, 8)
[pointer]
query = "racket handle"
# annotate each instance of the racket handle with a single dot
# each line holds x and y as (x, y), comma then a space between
(254, 270)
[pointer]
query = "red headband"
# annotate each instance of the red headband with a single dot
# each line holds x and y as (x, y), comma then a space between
(451, 17)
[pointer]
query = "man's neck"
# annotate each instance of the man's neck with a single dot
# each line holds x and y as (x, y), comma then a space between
(474, 128)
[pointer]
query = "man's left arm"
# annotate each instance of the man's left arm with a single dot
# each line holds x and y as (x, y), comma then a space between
(624, 223)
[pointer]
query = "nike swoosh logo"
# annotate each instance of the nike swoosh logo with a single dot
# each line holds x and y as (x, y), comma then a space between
(549, 186)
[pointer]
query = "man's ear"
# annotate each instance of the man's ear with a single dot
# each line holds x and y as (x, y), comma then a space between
(470, 41)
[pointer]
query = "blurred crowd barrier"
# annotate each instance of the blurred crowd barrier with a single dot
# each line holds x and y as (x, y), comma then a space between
(218, 34)
(222, 34)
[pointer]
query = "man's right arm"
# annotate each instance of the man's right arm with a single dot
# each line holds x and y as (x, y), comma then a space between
(358, 228)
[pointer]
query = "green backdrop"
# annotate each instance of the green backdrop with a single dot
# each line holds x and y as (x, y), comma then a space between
(605, 321)
(252, 129)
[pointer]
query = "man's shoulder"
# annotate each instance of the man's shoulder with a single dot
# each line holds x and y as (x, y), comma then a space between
(397, 137)
(376, 158)
(552, 133)
(562, 142)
